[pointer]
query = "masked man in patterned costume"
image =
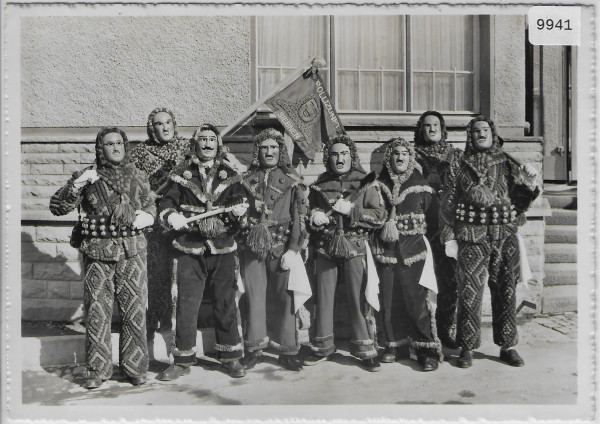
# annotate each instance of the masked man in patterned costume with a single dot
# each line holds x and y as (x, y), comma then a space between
(274, 237)
(482, 205)
(157, 156)
(117, 200)
(205, 248)
(436, 155)
(346, 205)
(404, 259)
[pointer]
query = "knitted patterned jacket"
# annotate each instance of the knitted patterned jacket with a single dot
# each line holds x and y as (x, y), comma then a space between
(158, 160)
(367, 214)
(463, 215)
(282, 197)
(435, 160)
(192, 190)
(100, 199)
(411, 201)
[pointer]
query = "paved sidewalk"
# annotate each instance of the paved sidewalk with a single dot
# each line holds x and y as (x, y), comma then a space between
(547, 344)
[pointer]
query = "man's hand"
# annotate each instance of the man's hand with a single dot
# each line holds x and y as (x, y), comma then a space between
(319, 218)
(286, 259)
(177, 221)
(142, 220)
(89, 176)
(452, 249)
(239, 210)
(343, 206)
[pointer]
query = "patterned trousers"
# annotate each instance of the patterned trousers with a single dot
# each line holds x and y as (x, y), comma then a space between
(445, 274)
(362, 322)
(497, 263)
(126, 281)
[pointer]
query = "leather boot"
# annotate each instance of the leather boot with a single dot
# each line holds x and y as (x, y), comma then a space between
(511, 357)
(465, 360)
(290, 363)
(389, 356)
(234, 369)
(251, 359)
(173, 372)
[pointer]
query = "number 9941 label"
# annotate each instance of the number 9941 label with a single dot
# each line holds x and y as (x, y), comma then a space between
(554, 25)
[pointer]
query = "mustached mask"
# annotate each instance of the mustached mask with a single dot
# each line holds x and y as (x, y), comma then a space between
(341, 139)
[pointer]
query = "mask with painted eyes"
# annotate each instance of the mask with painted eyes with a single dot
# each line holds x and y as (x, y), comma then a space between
(113, 148)
(340, 159)
(268, 153)
(206, 145)
(164, 127)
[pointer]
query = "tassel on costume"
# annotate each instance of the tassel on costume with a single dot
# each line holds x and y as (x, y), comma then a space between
(481, 195)
(124, 213)
(259, 240)
(338, 246)
(389, 233)
(211, 227)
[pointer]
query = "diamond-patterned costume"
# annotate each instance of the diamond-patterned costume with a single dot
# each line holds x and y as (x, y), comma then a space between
(483, 203)
(157, 159)
(114, 257)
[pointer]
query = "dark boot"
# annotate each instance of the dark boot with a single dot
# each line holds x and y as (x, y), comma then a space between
(92, 383)
(290, 363)
(251, 359)
(429, 364)
(173, 372)
(314, 359)
(511, 357)
(371, 364)
(465, 360)
(234, 369)
(389, 356)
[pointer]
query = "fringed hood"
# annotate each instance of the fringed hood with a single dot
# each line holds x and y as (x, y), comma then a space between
(101, 161)
(284, 158)
(342, 139)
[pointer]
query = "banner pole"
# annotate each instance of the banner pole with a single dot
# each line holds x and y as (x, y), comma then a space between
(282, 84)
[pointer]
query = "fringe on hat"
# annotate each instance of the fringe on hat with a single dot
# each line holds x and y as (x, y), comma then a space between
(124, 213)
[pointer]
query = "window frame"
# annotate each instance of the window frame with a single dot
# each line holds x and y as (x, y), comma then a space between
(483, 66)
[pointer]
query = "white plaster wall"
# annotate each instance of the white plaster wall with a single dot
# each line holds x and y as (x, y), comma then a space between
(509, 74)
(92, 71)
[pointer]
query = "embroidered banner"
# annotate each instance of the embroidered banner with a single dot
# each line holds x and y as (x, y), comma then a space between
(306, 112)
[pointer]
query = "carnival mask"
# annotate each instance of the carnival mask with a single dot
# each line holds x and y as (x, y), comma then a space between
(400, 159)
(432, 130)
(340, 158)
(206, 145)
(481, 136)
(113, 148)
(268, 153)
(163, 127)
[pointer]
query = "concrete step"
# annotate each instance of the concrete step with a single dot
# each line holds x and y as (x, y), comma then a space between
(48, 351)
(557, 274)
(560, 253)
(562, 201)
(558, 299)
(560, 234)
(562, 217)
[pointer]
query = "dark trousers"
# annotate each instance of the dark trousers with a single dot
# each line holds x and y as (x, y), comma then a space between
(193, 273)
(497, 262)
(260, 275)
(160, 264)
(126, 281)
(445, 274)
(406, 309)
(355, 278)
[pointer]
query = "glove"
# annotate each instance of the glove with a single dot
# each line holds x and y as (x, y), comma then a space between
(530, 171)
(177, 221)
(452, 249)
(142, 220)
(286, 259)
(343, 206)
(319, 218)
(239, 210)
(88, 176)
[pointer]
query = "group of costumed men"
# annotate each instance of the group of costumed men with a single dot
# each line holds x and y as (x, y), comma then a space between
(174, 218)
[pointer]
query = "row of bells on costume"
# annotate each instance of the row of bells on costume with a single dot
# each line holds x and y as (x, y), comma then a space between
(99, 227)
(410, 222)
(497, 214)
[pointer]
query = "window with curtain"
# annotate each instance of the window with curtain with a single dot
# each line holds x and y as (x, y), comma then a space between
(381, 64)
